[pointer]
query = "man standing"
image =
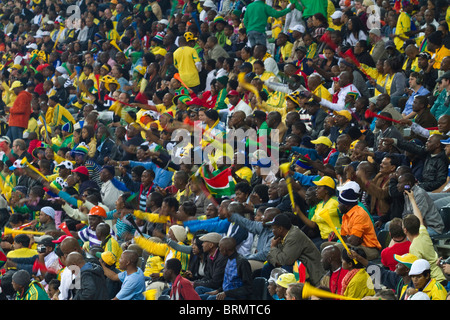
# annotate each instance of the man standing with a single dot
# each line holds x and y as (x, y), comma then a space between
(255, 20)
(187, 61)
(421, 243)
(20, 112)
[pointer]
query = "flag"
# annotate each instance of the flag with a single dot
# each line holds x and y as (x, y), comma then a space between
(219, 185)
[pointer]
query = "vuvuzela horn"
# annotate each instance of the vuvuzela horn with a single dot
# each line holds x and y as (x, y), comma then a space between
(309, 290)
(114, 44)
(13, 231)
(326, 216)
(284, 168)
(32, 168)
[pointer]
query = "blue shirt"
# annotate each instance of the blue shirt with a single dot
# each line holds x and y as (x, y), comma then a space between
(163, 178)
(133, 286)
(408, 106)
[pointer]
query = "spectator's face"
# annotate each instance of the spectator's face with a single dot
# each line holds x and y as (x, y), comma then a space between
(241, 196)
(386, 167)
(419, 281)
(210, 211)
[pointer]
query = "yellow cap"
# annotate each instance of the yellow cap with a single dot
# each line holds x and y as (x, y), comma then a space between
(16, 84)
(285, 279)
(407, 259)
(344, 113)
(326, 181)
(322, 140)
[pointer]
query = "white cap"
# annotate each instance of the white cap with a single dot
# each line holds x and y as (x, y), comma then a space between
(49, 211)
(50, 22)
(61, 69)
(45, 33)
(33, 46)
(209, 4)
(164, 21)
(350, 185)
(299, 28)
(336, 15)
(375, 32)
(419, 296)
(418, 267)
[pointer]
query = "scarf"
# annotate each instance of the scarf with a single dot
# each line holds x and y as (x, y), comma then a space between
(347, 278)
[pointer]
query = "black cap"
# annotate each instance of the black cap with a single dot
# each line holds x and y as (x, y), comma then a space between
(281, 220)
(444, 76)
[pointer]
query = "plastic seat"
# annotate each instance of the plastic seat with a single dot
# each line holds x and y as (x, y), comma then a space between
(260, 288)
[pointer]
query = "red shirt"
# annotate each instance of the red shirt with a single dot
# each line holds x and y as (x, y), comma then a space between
(336, 280)
(19, 114)
(387, 254)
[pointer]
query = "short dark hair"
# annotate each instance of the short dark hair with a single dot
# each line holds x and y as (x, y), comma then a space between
(23, 239)
(244, 187)
(172, 202)
(262, 190)
(395, 228)
(189, 208)
(412, 224)
(174, 265)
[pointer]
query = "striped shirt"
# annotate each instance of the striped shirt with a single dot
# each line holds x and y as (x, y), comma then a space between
(88, 234)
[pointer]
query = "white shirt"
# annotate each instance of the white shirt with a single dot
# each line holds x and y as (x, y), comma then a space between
(209, 78)
(271, 65)
(65, 284)
(340, 104)
(110, 194)
(241, 106)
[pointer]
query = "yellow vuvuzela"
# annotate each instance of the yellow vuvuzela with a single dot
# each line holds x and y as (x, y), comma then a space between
(309, 290)
(325, 214)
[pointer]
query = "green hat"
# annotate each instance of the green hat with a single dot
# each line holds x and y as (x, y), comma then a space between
(219, 19)
(182, 97)
(223, 80)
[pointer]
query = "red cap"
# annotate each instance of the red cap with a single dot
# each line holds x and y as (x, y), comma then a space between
(233, 93)
(82, 170)
(60, 239)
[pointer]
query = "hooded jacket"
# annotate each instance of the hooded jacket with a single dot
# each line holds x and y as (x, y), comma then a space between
(92, 284)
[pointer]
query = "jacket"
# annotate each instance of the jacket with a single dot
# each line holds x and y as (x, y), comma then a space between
(92, 283)
(265, 236)
(182, 289)
(35, 291)
(20, 112)
(378, 189)
(257, 13)
(431, 216)
(435, 168)
(163, 250)
(214, 272)
(237, 280)
(297, 246)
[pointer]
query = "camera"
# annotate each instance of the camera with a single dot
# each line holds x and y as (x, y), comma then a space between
(446, 261)
(41, 248)
(407, 187)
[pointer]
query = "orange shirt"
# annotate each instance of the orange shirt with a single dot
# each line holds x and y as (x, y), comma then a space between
(357, 223)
